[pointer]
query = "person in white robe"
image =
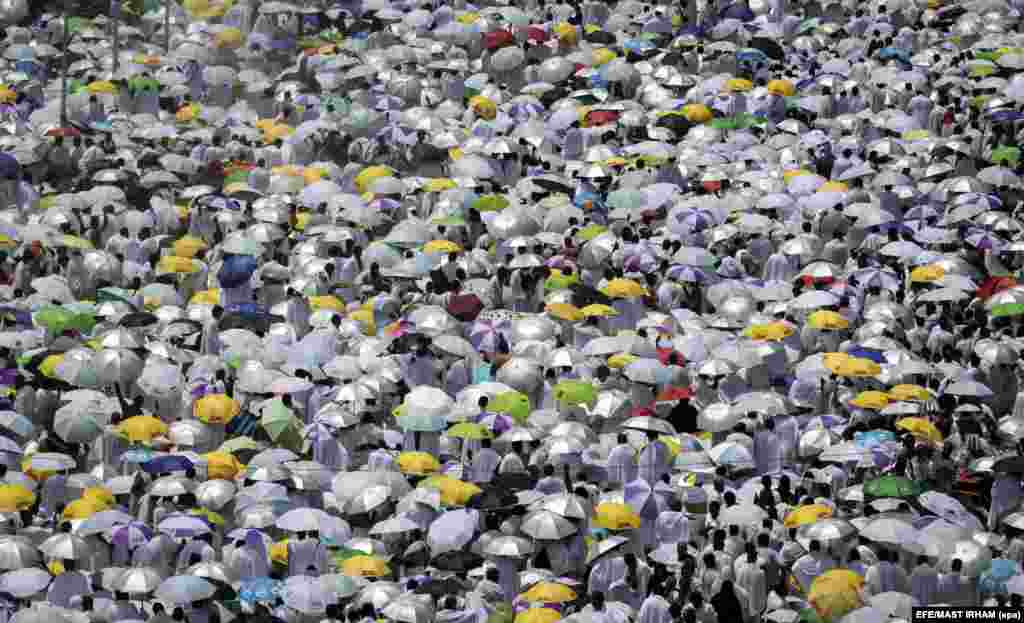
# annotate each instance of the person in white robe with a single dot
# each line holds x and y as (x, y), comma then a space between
(767, 450)
(751, 577)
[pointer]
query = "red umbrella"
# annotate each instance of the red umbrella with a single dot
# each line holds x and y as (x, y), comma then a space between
(538, 34)
(671, 394)
(666, 354)
(498, 39)
(994, 285)
(602, 117)
(63, 132)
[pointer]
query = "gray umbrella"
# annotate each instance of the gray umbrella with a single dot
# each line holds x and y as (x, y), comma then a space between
(215, 494)
(17, 553)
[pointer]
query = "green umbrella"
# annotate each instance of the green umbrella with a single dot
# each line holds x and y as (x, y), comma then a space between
(139, 84)
(590, 232)
(241, 177)
(449, 221)
(491, 203)
(893, 487)
(115, 295)
(575, 393)
(1005, 154)
(1008, 309)
(78, 24)
(560, 281)
(515, 404)
(626, 199)
(58, 320)
(277, 419)
(739, 122)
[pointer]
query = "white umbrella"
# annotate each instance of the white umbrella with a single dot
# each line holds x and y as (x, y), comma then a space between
(185, 589)
(452, 531)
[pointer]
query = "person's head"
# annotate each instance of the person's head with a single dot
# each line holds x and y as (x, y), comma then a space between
(597, 600)
(493, 574)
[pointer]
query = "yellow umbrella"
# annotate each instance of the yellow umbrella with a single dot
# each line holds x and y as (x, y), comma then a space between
(454, 492)
(100, 494)
(177, 265)
(222, 466)
(7, 96)
(808, 514)
(279, 131)
(827, 320)
(328, 301)
(599, 310)
(854, 367)
(927, 274)
(312, 175)
(147, 59)
(784, 88)
(189, 246)
(105, 87)
(279, 552)
(216, 408)
(833, 187)
(697, 113)
(565, 311)
(538, 615)
(739, 85)
(916, 135)
(215, 518)
(365, 567)
(367, 176)
(39, 475)
(624, 289)
(141, 428)
(206, 297)
(187, 113)
(418, 463)
(549, 593)
(83, 508)
(469, 430)
(871, 400)
(55, 567)
(791, 173)
(615, 516)
(566, 33)
(772, 331)
(228, 39)
(48, 367)
(909, 392)
(365, 319)
(442, 246)
(621, 360)
(835, 593)
(290, 170)
(603, 56)
(920, 428)
(469, 17)
(484, 107)
(439, 184)
(15, 498)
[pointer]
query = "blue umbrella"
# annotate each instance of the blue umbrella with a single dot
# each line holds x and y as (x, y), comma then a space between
(737, 11)
(167, 463)
(236, 270)
(993, 580)
(868, 353)
(255, 590)
(873, 438)
(9, 167)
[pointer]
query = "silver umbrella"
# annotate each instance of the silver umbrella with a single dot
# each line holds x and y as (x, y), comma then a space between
(215, 494)
(547, 526)
(138, 581)
(17, 553)
(509, 547)
(184, 589)
(23, 583)
(563, 504)
(66, 547)
(117, 366)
